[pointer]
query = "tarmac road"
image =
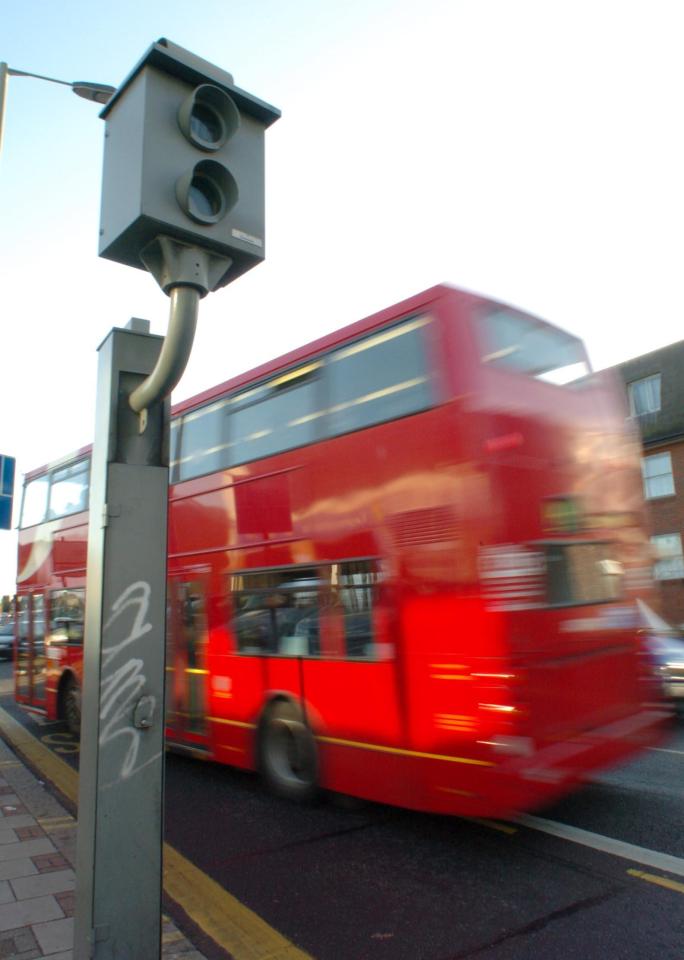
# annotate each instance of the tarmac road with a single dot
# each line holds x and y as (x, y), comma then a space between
(346, 881)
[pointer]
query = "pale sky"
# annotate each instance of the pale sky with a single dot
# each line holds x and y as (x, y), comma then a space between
(531, 150)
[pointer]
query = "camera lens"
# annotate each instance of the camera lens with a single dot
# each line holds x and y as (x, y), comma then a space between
(207, 192)
(206, 124)
(204, 198)
(208, 117)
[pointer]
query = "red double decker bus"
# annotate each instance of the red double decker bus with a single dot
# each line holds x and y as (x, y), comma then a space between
(403, 565)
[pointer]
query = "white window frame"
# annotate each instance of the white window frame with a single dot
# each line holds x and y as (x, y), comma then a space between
(651, 395)
(669, 557)
(647, 465)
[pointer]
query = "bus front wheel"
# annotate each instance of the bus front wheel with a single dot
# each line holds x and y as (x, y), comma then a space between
(288, 760)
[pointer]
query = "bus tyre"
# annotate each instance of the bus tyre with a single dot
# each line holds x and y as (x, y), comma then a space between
(288, 759)
(71, 707)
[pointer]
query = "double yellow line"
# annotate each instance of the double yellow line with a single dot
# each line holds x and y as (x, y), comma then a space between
(228, 922)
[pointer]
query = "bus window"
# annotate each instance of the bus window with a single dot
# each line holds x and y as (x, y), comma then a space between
(380, 378)
(203, 442)
(67, 613)
(281, 419)
(174, 453)
(69, 490)
(353, 585)
(582, 573)
(34, 505)
(276, 611)
(525, 345)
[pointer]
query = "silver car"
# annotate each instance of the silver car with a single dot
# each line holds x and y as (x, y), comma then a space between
(666, 647)
(7, 640)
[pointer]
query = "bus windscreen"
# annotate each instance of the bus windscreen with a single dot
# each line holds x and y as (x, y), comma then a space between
(521, 344)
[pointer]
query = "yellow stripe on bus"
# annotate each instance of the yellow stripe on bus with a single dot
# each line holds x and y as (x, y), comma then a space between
(221, 916)
(233, 723)
(400, 752)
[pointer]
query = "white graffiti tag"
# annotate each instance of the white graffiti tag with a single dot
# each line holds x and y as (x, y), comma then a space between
(121, 684)
(137, 596)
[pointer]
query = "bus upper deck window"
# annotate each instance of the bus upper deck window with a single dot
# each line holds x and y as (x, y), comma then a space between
(34, 505)
(69, 489)
(383, 376)
(524, 345)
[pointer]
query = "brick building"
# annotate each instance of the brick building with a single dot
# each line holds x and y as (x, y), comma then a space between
(655, 392)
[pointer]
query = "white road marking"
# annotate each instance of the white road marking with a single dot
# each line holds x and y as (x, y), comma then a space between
(618, 848)
(666, 750)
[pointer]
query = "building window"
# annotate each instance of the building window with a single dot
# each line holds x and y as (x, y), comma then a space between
(657, 473)
(644, 395)
(669, 560)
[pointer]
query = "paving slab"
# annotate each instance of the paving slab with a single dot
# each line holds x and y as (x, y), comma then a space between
(24, 913)
(6, 894)
(54, 936)
(22, 867)
(26, 848)
(37, 878)
(43, 884)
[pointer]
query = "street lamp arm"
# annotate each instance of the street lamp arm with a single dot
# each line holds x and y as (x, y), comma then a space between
(98, 92)
(38, 76)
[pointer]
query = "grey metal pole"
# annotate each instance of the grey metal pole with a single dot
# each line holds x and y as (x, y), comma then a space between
(120, 804)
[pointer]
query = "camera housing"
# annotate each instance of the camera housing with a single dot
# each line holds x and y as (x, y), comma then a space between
(184, 158)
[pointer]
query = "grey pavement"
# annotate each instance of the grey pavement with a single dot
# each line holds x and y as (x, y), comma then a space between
(37, 879)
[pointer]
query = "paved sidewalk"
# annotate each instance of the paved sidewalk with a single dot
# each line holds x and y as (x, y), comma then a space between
(37, 880)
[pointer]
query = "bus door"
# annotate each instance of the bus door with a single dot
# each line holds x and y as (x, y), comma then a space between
(30, 657)
(186, 662)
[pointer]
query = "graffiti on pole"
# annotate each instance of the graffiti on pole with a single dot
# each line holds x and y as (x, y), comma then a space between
(122, 680)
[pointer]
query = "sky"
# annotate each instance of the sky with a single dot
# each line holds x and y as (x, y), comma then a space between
(529, 150)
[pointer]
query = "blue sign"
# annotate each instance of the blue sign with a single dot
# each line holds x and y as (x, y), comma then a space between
(7, 465)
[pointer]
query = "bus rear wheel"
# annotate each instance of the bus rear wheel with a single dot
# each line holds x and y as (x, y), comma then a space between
(71, 707)
(288, 759)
